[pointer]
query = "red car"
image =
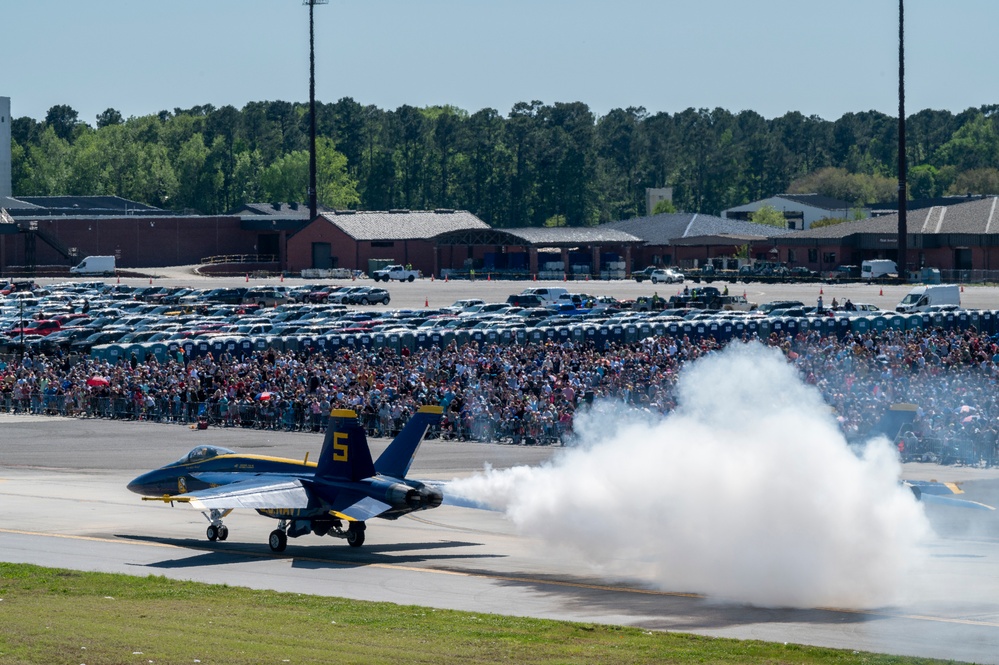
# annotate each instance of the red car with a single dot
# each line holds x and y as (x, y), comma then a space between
(41, 328)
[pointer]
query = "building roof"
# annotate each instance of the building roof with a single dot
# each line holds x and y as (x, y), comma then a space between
(52, 206)
(286, 210)
(667, 228)
(571, 235)
(402, 224)
(817, 201)
(975, 217)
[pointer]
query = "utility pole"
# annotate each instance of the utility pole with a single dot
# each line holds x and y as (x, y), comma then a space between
(313, 204)
(901, 259)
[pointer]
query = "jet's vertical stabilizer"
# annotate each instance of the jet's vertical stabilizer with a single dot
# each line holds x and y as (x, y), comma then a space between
(398, 457)
(345, 454)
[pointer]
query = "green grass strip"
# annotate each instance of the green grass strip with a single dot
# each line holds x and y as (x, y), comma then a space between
(60, 616)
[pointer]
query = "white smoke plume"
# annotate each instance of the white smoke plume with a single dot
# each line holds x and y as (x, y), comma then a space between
(748, 492)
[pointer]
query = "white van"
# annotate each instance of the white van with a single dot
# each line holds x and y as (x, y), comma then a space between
(921, 298)
(877, 268)
(548, 294)
(94, 265)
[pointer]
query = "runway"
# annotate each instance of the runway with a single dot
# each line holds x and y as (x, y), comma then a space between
(63, 503)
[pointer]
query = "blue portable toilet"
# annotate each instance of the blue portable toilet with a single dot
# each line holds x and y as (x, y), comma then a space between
(963, 320)
(421, 339)
(686, 329)
(879, 324)
(535, 336)
(988, 321)
(202, 348)
(492, 336)
(950, 320)
(645, 330)
(738, 329)
(378, 340)
(817, 323)
(975, 319)
(477, 336)
(630, 333)
(896, 321)
(393, 341)
(860, 325)
(506, 337)
(159, 350)
(246, 347)
(913, 321)
(520, 336)
(753, 327)
(114, 353)
(407, 340)
(763, 327)
(463, 337)
(188, 347)
(777, 325)
(447, 338)
(843, 326)
(792, 325)
(674, 328)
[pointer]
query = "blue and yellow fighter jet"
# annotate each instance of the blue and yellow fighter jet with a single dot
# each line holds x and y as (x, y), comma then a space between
(344, 485)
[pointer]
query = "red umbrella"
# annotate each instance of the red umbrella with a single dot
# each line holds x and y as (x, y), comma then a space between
(98, 381)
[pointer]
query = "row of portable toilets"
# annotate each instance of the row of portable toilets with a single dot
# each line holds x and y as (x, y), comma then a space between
(601, 335)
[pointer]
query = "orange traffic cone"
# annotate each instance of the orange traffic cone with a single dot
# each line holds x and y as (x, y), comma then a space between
(587, 277)
(565, 277)
(743, 294)
(489, 277)
(431, 277)
(282, 278)
(247, 278)
(150, 281)
(535, 277)
(881, 292)
(426, 302)
(962, 288)
(119, 279)
(820, 290)
(353, 277)
(447, 277)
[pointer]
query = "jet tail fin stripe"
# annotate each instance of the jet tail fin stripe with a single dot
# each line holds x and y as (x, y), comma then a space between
(398, 457)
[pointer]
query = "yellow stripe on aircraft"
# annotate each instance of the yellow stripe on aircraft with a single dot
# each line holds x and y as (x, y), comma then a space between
(342, 413)
(428, 408)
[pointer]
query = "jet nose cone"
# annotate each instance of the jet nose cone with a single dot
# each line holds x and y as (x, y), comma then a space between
(139, 485)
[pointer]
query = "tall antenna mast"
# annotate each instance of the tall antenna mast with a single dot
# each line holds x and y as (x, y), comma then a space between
(313, 204)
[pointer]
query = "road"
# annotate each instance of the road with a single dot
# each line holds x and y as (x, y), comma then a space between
(63, 503)
(440, 293)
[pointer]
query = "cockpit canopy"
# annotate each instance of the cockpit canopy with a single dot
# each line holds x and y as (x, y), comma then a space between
(202, 453)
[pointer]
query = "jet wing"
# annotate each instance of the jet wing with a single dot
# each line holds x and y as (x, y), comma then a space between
(257, 493)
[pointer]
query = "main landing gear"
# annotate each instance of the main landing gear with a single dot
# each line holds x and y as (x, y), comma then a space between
(278, 540)
(216, 530)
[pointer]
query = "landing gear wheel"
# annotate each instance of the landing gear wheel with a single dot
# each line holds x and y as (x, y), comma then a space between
(355, 534)
(212, 533)
(278, 540)
(223, 532)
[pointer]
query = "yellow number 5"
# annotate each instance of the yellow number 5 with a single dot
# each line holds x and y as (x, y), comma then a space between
(339, 449)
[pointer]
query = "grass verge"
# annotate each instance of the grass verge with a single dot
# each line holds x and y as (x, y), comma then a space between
(62, 616)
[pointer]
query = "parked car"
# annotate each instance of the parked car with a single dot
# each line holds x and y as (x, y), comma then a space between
(666, 276)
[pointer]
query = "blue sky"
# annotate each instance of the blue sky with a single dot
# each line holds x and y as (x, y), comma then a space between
(770, 56)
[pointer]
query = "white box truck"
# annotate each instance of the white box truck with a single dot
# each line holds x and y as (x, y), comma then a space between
(94, 265)
(921, 298)
(877, 268)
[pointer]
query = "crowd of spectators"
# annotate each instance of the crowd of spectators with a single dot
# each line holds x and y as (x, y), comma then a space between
(527, 393)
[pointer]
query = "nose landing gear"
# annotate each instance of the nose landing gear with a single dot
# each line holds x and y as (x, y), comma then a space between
(216, 530)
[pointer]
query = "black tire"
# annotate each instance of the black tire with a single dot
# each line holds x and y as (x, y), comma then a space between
(411, 278)
(655, 280)
(223, 532)
(385, 300)
(278, 540)
(364, 301)
(212, 533)
(355, 536)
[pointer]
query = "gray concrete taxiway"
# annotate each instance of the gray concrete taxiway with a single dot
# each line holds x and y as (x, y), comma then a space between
(63, 503)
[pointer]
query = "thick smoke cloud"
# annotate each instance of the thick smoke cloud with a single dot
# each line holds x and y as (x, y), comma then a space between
(748, 492)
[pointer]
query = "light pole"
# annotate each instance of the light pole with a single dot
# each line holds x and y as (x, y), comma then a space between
(313, 206)
(901, 259)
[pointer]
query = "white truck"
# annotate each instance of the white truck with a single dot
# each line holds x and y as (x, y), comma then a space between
(94, 265)
(396, 272)
(877, 268)
(921, 298)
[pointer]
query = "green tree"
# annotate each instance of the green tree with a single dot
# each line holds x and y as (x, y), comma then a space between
(976, 181)
(287, 178)
(109, 117)
(63, 120)
(335, 187)
(664, 206)
(769, 215)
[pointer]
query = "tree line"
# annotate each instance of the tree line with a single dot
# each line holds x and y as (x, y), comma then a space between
(540, 164)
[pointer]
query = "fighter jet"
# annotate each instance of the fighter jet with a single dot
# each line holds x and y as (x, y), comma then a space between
(343, 486)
